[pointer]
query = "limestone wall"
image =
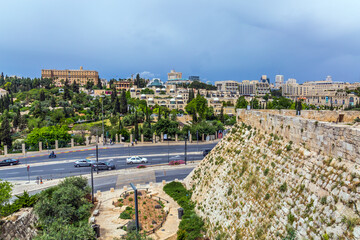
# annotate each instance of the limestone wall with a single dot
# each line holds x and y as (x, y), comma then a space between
(319, 115)
(337, 140)
(260, 183)
(20, 225)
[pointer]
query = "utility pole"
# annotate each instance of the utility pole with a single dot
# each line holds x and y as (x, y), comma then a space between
(185, 150)
(92, 183)
(102, 116)
(97, 158)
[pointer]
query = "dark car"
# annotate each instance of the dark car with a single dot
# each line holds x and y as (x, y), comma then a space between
(9, 162)
(206, 152)
(104, 165)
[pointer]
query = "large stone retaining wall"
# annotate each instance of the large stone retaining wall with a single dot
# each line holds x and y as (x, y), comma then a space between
(337, 140)
(20, 225)
(320, 115)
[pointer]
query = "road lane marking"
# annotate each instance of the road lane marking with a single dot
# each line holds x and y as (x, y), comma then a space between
(59, 169)
(12, 173)
(156, 159)
(36, 170)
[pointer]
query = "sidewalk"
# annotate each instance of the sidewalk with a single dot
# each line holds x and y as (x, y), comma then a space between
(92, 148)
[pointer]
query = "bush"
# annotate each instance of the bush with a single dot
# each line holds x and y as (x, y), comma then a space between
(191, 225)
(177, 162)
(22, 201)
(141, 166)
(283, 187)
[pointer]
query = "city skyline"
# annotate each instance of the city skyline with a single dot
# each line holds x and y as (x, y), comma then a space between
(216, 41)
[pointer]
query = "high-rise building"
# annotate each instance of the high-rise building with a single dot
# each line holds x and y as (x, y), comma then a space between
(254, 88)
(81, 76)
(279, 81)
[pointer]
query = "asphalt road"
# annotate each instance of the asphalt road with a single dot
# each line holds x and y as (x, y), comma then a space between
(63, 165)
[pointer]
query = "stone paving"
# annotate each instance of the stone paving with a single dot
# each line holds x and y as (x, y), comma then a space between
(109, 221)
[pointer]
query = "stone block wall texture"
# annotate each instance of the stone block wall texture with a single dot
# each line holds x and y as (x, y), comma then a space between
(20, 225)
(337, 140)
(319, 115)
(264, 184)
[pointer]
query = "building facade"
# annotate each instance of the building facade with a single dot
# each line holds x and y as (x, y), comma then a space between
(80, 76)
(227, 86)
(3, 92)
(279, 80)
(254, 88)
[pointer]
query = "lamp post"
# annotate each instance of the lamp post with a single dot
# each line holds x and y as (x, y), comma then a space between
(185, 150)
(136, 207)
(102, 116)
(97, 159)
(92, 182)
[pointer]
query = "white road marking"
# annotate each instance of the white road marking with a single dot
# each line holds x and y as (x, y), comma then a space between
(12, 173)
(156, 158)
(36, 171)
(59, 169)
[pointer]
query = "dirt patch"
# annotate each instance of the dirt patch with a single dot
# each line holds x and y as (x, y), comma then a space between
(151, 210)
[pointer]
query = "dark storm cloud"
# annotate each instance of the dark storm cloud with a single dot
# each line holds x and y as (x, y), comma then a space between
(217, 40)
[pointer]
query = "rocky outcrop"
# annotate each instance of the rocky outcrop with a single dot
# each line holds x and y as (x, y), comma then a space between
(20, 225)
(258, 184)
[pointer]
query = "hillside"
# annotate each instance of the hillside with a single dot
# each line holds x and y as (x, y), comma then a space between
(256, 185)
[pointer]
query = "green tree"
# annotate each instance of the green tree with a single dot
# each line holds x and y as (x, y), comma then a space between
(123, 103)
(66, 95)
(241, 102)
(75, 87)
(136, 131)
(89, 85)
(166, 126)
(42, 95)
(254, 103)
(221, 117)
(5, 135)
(5, 193)
(191, 95)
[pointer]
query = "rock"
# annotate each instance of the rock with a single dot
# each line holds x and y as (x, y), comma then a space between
(356, 232)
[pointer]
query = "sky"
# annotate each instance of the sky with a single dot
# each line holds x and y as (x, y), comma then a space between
(216, 40)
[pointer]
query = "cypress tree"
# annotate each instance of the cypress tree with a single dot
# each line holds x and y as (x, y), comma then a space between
(123, 103)
(136, 131)
(5, 137)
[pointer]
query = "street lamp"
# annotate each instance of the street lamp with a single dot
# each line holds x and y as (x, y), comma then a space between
(185, 149)
(102, 116)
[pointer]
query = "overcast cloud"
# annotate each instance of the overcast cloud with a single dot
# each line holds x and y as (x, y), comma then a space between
(216, 40)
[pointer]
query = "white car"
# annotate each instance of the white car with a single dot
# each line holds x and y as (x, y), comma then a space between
(136, 159)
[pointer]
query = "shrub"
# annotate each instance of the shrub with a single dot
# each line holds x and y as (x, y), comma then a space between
(278, 152)
(191, 225)
(141, 166)
(177, 162)
(283, 187)
(266, 171)
(131, 199)
(267, 196)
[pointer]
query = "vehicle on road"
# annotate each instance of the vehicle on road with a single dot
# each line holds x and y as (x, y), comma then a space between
(83, 163)
(9, 162)
(52, 155)
(104, 165)
(136, 159)
(206, 152)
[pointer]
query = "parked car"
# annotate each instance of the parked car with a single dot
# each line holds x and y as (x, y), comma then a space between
(206, 152)
(84, 163)
(104, 165)
(136, 159)
(9, 162)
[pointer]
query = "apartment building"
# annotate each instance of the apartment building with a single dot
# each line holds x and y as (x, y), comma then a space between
(227, 86)
(254, 88)
(325, 92)
(81, 76)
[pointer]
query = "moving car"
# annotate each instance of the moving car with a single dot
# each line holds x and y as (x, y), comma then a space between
(206, 152)
(104, 165)
(83, 163)
(136, 159)
(9, 162)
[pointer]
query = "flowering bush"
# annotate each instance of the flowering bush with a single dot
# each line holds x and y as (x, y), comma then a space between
(177, 162)
(141, 166)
